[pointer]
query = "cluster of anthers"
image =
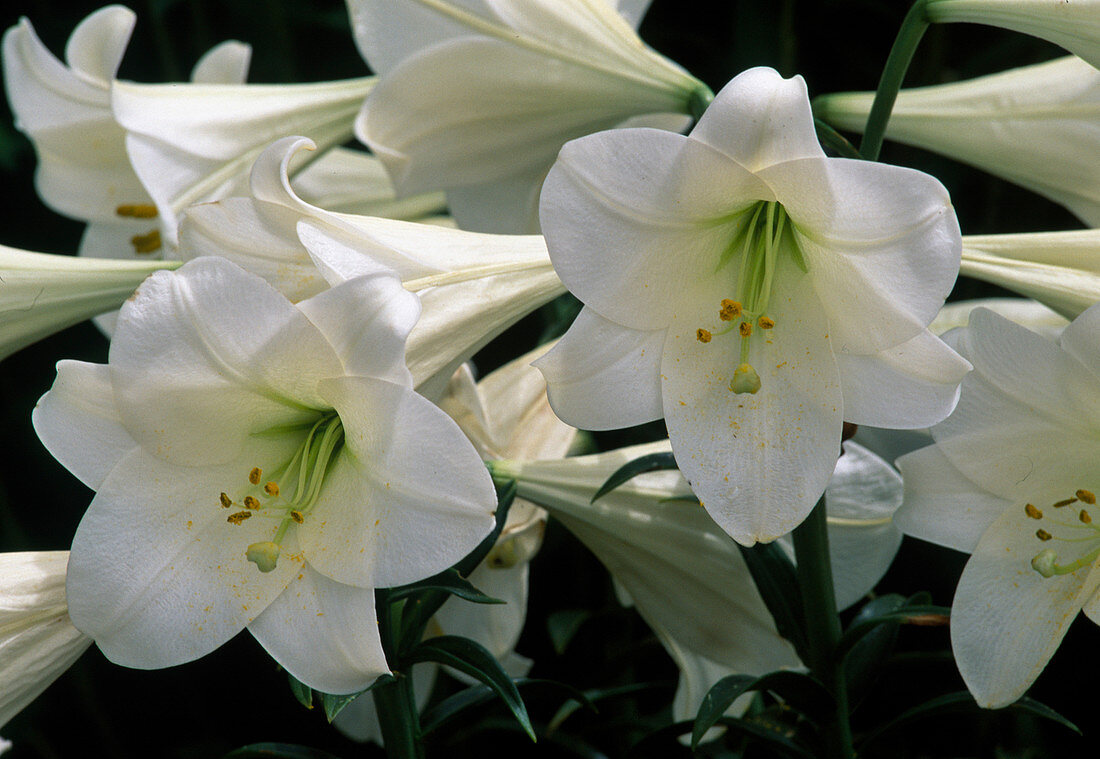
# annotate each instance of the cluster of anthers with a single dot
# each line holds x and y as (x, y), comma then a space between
(290, 493)
(146, 243)
(1046, 561)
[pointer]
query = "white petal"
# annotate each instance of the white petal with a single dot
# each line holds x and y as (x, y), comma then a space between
(359, 720)
(98, 43)
(941, 505)
(504, 206)
(238, 357)
(407, 498)
(323, 633)
(759, 119)
(912, 385)
(226, 63)
(495, 626)
(882, 244)
(633, 10)
(1079, 340)
(632, 217)
(758, 462)
(1007, 620)
(367, 320)
(602, 375)
(78, 422)
(156, 574)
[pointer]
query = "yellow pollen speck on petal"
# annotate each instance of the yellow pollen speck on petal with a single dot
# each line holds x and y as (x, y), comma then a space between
(137, 211)
(225, 500)
(251, 503)
(239, 517)
(272, 489)
(745, 329)
(297, 516)
(1066, 502)
(1087, 496)
(730, 310)
(255, 475)
(146, 243)
(1042, 534)
(1085, 517)
(703, 335)
(765, 323)
(1033, 512)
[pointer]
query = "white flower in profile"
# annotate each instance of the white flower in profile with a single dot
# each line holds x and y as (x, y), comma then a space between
(1030, 313)
(686, 576)
(472, 286)
(258, 464)
(751, 291)
(1011, 479)
(37, 640)
(1073, 25)
(541, 73)
(41, 293)
(1037, 126)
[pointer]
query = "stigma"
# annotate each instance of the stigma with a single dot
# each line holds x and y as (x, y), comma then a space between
(1069, 529)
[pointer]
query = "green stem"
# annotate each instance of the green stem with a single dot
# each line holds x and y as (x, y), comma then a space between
(909, 36)
(815, 580)
(395, 703)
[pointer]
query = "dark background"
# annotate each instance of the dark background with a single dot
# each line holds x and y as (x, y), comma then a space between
(236, 696)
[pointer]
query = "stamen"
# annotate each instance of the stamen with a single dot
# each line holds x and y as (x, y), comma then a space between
(225, 500)
(1066, 502)
(730, 310)
(1033, 512)
(1086, 496)
(272, 489)
(251, 502)
(1085, 517)
(297, 516)
(137, 211)
(146, 243)
(745, 329)
(765, 323)
(255, 475)
(1042, 534)
(703, 336)
(239, 517)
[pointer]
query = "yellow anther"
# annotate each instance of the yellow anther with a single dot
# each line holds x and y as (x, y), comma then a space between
(264, 555)
(745, 380)
(137, 211)
(255, 475)
(272, 489)
(1042, 534)
(1085, 517)
(1033, 512)
(730, 310)
(1066, 502)
(1087, 496)
(297, 516)
(239, 517)
(703, 335)
(146, 243)
(765, 323)
(250, 502)
(226, 500)
(745, 329)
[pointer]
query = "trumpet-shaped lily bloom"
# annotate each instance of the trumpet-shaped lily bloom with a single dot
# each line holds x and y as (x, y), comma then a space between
(41, 294)
(751, 291)
(1011, 479)
(472, 285)
(1059, 269)
(684, 574)
(1037, 126)
(1072, 25)
(258, 464)
(541, 73)
(37, 640)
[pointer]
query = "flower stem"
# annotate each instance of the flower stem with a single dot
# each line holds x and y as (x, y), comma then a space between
(815, 579)
(395, 703)
(909, 36)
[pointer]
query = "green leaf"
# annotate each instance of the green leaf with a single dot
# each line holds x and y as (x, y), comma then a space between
(835, 141)
(591, 697)
(450, 708)
(278, 751)
(775, 578)
(473, 659)
(563, 625)
(333, 704)
(802, 692)
(628, 471)
(758, 731)
(301, 691)
(904, 613)
(447, 581)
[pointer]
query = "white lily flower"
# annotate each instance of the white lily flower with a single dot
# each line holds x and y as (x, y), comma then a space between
(258, 464)
(686, 576)
(37, 640)
(1030, 313)
(1010, 480)
(541, 74)
(41, 294)
(472, 285)
(1059, 269)
(65, 109)
(1072, 25)
(797, 297)
(1036, 126)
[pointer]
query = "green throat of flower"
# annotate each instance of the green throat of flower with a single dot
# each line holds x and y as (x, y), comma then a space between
(290, 491)
(1075, 527)
(760, 241)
